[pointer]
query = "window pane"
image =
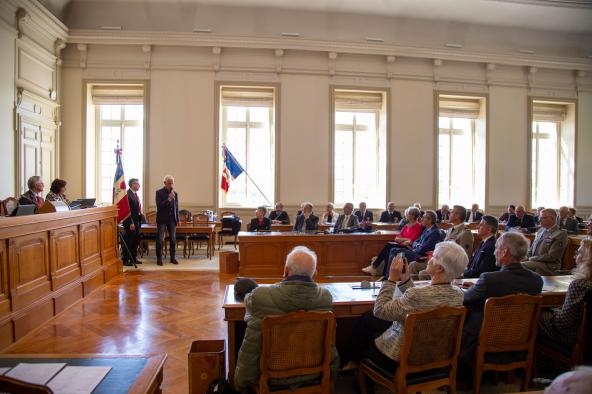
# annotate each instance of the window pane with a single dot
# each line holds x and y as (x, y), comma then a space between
(545, 170)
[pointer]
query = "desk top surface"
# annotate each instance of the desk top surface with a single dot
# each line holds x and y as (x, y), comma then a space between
(351, 292)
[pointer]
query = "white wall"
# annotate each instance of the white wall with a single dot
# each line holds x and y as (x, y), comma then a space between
(7, 134)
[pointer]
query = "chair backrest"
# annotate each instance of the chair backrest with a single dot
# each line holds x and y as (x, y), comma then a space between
(151, 217)
(184, 215)
(432, 340)
(8, 205)
(232, 225)
(227, 213)
(509, 324)
(582, 351)
(11, 385)
(297, 344)
(200, 218)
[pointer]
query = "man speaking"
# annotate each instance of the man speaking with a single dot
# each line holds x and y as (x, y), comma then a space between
(167, 217)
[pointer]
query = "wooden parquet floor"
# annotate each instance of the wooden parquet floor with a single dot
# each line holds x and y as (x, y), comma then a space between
(140, 312)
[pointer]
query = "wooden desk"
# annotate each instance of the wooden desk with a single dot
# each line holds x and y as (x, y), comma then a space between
(262, 255)
(348, 305)
(187, 229)
(137, 374)
(383, 226)
(290, 227)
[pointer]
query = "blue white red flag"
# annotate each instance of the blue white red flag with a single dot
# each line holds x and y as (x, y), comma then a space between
(119, 189)
(231, 170)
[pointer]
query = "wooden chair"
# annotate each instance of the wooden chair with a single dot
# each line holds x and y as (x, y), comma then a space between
(147, 238)
(11, 385)
(199, 219)
(429, 353)
(8, 205)
(230, 227)
(507, 337)
(582, 347)
(297, 344)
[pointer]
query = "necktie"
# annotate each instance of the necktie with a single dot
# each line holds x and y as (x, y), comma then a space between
(537, 241)
(474, 257)
(38, 201)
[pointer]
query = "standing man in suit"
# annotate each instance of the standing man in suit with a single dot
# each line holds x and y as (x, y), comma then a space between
(545, 255)
(512, 278)
(132, 224)
(260, 222)
(279, 216)
(443, 214)
(365, 217)
(483, 259)
(565, 222)
(167, 217)
(474, 215)
(306, 220)
(33, 195)
(521, 221)
(391, 215)
(347, 221)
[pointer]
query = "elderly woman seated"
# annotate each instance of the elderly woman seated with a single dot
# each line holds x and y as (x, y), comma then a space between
(379, 336)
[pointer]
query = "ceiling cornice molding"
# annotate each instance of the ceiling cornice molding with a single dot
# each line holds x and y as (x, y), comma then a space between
(97, 37)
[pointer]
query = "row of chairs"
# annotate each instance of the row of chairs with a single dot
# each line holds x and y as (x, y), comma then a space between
(429, 352)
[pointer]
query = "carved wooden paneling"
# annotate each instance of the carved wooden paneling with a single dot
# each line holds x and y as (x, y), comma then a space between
(28, 267)
(90, 244)
(64, 256)
(108, 241)
(4, 289)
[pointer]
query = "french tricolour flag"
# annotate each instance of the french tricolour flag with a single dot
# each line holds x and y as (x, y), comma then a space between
(119, 190)
(231, 169)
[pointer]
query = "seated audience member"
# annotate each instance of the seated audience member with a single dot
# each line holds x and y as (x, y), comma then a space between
(306, 221)
(296, 292)
(57, 191)
(330, 216)
(573, 215)
(457, 233)
(260, 222)
(521, 221)
(409, 233)
(512, 278)
(279, 216)
(391, 215)
(421, 246)
(33, 195)
(506, 215)
(537, 216)
(347, 221)
(474, 215)
(448, 262)
(443, 214)
(565, 222)
(545, 255)
(418, 206)
(365, 217)
(577, 381)
(483, 259)
(560, 325)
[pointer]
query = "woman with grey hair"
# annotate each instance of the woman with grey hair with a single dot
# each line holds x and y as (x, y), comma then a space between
(260, 222)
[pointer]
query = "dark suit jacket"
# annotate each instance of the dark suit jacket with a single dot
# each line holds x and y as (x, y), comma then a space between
(387, 217)
(442, 216)
(527, 222)
(165, 209)
(353, 224)
(134, 216)
(368, 215)
(510, 279)
(28, 198)
(255, 226)
(427, 241)
(477, 218)
(483, 260)
(282, 217)
(312, 223)
(571, 225)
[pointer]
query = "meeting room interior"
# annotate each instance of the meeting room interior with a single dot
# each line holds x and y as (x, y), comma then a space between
(232, 113)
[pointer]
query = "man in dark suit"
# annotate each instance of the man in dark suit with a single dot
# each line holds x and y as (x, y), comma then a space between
(483, 259)
(521, 221)
(474, 215)
(567, 223)
(506, 215)
(512, 278)
(347, 221)
(167, 218)
(260, 222)
(33, 195)
(391, 215)
(443, 214)
(365, 217)
(132, 224)
(306, 221)
(279, 216)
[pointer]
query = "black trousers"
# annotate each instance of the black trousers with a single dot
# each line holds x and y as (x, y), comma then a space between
(132, 241)
(170, 227)
(367, 328)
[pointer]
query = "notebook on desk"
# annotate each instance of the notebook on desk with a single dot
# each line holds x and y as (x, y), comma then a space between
(82, 203)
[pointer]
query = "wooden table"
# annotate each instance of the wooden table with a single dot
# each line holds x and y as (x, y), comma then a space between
(262, 255)
(290, 227)
(136, 374)
(187, 229)
(349, 303)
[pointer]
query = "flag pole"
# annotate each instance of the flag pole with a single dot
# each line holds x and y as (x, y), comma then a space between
(248, 176)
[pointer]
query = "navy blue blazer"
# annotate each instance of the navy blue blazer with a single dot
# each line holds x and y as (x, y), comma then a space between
(282, 217)
(477, 218)
(165, 209)
(483, 260)
(387, 217)
(427, 241)
(134, 216)
(312, 223)
(368, 215)
(527, 222)
(255, 226)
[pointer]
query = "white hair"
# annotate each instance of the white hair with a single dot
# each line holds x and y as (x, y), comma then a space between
(301, 261)
(452, 258)
(167, 177)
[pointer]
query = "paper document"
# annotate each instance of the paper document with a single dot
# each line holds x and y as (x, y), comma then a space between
(78, 380)
(3, 370)
(38, 373)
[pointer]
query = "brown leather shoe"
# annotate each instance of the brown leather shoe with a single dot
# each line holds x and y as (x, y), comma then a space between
(174, 261)
(159, 262)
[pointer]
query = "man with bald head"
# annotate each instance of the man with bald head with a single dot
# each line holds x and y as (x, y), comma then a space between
(296, 292)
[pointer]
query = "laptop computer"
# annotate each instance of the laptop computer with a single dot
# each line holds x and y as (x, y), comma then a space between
(22, 210)
(82, 203)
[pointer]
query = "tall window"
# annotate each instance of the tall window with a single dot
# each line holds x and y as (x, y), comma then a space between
(359, 151)
(118, 119)
(247, 128)
(461, 150)
(552, 154)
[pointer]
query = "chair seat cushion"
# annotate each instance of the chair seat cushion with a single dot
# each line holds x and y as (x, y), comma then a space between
(412, 378)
